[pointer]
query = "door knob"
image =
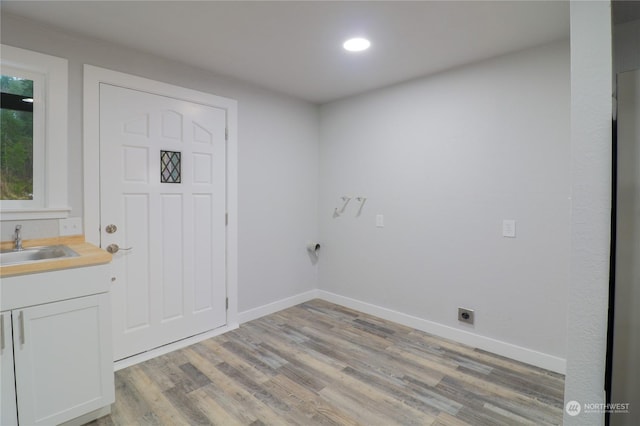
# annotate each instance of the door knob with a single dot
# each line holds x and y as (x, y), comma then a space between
(114, 248)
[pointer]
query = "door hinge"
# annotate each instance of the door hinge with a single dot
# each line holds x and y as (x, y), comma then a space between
(226, 304)
(226, 133)
(226, 219)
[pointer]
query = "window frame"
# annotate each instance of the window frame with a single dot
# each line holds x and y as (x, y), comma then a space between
(50, 198)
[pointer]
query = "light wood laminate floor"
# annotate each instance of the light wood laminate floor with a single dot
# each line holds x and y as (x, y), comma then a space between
(322, 364)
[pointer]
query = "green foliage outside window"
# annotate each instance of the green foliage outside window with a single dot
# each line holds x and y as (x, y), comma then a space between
(16, 143)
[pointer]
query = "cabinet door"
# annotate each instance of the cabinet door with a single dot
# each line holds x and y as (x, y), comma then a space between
(62, 355)
(8, 413)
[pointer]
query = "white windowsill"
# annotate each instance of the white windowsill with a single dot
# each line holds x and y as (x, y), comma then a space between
(26, 214)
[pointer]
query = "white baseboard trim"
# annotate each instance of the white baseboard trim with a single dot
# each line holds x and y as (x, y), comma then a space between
(519, 353)
(276, 306)
(529, 356)
(89, 417)
(145, 356)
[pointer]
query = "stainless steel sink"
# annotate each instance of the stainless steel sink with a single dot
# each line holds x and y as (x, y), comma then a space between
(35, 254)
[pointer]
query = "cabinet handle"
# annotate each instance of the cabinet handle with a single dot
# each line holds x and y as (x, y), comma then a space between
(22, 327)
(1, 332)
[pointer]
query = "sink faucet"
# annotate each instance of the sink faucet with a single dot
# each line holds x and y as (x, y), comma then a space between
(18, 238)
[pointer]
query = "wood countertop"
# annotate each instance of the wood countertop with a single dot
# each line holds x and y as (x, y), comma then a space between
(88, 255)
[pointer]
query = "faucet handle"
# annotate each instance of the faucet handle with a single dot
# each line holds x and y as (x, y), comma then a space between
(18, 238)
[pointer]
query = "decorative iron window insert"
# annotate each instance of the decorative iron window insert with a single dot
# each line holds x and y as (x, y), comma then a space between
(170, 167)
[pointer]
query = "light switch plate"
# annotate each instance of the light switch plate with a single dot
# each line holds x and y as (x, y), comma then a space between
(71, 226)
(509, 228)
(379, 221)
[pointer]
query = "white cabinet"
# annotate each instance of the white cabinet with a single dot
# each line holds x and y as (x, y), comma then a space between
(60, 351)
(8, 413)
(62, 363)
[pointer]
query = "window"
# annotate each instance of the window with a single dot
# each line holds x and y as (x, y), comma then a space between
(33, 135)
(20, 139)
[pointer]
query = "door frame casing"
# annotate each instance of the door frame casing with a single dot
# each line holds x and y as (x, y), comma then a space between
(93, 77)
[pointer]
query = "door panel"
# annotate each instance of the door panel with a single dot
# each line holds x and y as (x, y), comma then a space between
(625, 384)
(8, 411)
(163, 184)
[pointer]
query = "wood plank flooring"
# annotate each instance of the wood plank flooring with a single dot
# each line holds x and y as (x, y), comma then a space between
(322, 364)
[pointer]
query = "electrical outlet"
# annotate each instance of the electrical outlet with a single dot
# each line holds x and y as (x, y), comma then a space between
(465, 315)
(71, 226)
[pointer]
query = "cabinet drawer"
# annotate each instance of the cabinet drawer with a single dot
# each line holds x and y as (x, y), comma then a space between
(46, 287)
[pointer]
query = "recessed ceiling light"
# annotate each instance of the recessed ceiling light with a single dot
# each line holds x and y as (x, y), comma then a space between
(356, 44)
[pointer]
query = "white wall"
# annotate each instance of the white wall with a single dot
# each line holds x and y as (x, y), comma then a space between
(278, 158)
(591, 82)
(445, 159)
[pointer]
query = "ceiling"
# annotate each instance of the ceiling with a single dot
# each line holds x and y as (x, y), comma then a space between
(294, 47)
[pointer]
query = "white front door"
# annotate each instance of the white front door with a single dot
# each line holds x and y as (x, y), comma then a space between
(163, 202)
